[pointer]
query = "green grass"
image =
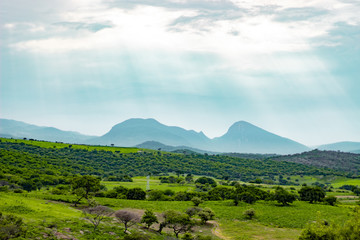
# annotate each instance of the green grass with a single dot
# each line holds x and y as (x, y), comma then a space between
(29, 207)
(270, 214)
(45, 144)
(246, 230)
(155, 183)
(345, 181)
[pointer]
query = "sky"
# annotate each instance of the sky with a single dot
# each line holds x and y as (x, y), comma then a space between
(290, 67)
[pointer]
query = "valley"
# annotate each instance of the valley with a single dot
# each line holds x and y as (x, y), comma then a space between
(37, 179)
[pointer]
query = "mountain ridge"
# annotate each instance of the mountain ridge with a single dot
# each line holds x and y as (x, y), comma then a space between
(241, 137)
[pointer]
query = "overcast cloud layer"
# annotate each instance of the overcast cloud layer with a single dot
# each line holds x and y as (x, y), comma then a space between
(290, 67)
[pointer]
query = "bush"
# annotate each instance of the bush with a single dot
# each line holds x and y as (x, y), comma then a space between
(331, 200)
(11, 227)
(250, 213)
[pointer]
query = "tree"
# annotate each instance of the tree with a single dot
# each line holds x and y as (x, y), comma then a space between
(284, 197)
(156, 195)
(127, 217)
(189, 178)
(96, 214)
(247, 197)
(136, 194)
(204, 180)
(84, 186)
(311, 194)
(221, 193)
(179, 222)
(28, 185)
(192, 211)
(149, 218)
(206, 214)
(197, 201)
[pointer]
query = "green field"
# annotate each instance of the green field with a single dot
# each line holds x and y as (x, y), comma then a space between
(154, 183)
(45, 144)
(271, 221)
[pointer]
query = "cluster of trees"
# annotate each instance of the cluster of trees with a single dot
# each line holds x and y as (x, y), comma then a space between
(119, 178)
(39, 166)
(179, 222)
(84, 187)
(342, 161)
(353, 188)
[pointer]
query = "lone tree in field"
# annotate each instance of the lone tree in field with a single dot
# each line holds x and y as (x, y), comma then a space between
(127, 217)
(136, 194)
(84, 187)
(206, 214)
(96, 214)
(149, 218)
(179, 222)
(284, 197)
(197, 201)
(311, 194)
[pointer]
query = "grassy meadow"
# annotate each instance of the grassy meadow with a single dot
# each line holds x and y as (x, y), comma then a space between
(45, 144)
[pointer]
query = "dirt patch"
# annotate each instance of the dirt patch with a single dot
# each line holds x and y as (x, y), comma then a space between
(347, 197)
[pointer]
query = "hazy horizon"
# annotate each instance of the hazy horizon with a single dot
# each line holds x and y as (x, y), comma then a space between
(291, 68)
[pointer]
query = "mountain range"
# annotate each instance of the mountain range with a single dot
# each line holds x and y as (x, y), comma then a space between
(17, 129)
(242, 137)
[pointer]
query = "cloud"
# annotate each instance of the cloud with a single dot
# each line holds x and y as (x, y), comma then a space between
(93, 27)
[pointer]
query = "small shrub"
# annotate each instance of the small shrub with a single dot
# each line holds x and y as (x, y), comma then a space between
(11, 227)
(331, 200)
(249, 213)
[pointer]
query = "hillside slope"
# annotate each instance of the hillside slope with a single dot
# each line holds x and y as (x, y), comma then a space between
(348, 162)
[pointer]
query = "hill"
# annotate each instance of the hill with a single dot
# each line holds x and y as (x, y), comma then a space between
(243, 137)
(17, 129)
(29, 159)
(348, 162)
(353, 147)
(179, 149)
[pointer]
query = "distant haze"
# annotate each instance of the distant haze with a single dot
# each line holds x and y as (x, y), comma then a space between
(290, 67)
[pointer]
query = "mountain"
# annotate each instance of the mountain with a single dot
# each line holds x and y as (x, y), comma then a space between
(243, 137)
(157, 145)
(136, 131)
(353, 147)
(17, 129)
